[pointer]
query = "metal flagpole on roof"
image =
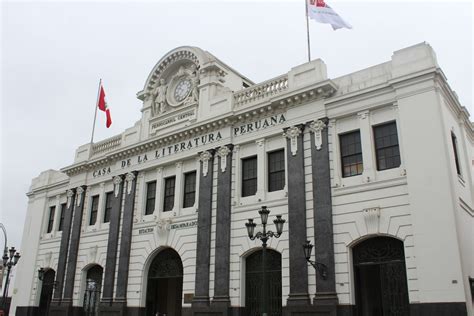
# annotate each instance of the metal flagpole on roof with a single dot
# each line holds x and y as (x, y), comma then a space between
(307, 30)
(95, 115)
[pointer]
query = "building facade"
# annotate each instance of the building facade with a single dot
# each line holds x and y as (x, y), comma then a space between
(375, 168)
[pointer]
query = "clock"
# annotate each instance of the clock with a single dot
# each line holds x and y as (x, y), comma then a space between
(182, 89)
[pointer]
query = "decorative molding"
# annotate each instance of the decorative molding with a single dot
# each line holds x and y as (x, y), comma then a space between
(47, 259)
(69, 194)
(363, 115)
(79, 192)
(223, 152)
(164, 224)
(372, 219)
(260, 142)
(117, 181)
(93, 253)
(292, 133)
(179, 164)
(204, 157)
(317, 127)
(130, 177)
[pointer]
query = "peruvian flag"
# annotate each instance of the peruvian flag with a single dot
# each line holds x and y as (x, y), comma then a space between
(103, 106)
(318, 10)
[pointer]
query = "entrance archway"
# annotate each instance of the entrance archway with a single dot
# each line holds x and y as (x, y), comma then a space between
(254, 280)
(380, 277)
(165, 284)
(92, 290)
(47, 288)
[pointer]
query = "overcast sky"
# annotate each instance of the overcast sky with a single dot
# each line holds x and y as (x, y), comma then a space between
(53, 54)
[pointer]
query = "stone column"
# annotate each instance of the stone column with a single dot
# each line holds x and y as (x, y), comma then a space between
(323, 228)
(296, 217)
(112, 243)
(223, 219)
(126, 237)
(203, 249)
(63, 248)
(74, 245)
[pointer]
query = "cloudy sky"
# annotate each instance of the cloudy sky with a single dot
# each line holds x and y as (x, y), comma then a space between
(53, 54)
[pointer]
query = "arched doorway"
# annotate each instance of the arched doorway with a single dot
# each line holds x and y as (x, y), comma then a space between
(92, 290)
(47, 288)
(254, 283)
(165, 284)
(380, 277)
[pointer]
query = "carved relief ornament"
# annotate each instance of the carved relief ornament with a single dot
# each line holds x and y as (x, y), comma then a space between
(317, 127)
(129, 178)
(79, 192)
(117, 181)
(69, 194)
(204, 157)
(292, 134)
(223, 152)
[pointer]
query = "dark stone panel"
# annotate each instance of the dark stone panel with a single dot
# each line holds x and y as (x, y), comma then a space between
(65, 310)
(223, 217)
(63, 248)
(213, 311)
(310, 310)
(26, 311)
(113, 309)
(203, 246)
(346, 310)
(297, 224)
(438, 309)
(73, 248)
(112, 245)
(136, 311)
(126, 239)
(323, 228)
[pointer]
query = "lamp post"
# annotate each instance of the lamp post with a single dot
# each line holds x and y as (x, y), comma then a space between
(264, 236)
(9, 262)
(320, 267)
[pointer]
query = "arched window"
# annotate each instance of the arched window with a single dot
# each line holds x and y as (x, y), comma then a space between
(92, 290)
(47, 288)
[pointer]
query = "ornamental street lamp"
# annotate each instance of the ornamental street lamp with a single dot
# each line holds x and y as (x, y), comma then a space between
(9, 262)
(320, 267)
(264, 236)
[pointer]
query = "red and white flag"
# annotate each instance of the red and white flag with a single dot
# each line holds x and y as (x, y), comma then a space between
(102, 104)
(318, 10)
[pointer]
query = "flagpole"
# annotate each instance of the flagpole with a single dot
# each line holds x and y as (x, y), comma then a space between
(307, 31)
(95, 112)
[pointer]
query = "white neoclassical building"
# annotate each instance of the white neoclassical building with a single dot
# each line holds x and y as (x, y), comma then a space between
(374, 168)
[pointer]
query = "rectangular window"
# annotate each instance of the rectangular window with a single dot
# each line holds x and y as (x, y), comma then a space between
(108, 206)
(189, 189)
(52, 210)
(150, 197)
(94, 210)
(386, 146)
(455, 149)
(351, 154)
(168, 203)
(249, 176)
(276, 170)
(61, 217)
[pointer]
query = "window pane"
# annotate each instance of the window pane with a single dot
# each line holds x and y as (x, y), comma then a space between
(351, 154)
(189, 189)
(249, 176)
(276, 170)
(52, 210)
(108, 206)
(94, 209)
(386, 146)
(150, 197)
(169, 194)
(455, 149)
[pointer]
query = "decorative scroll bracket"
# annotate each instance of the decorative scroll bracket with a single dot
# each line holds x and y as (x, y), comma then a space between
(117, 181)
(317, 127)
(204, 157)
(372, 219)
(69, 194)
(292, 133)
(79, 192)
(130, 177)
(164, 224)
(223, 152)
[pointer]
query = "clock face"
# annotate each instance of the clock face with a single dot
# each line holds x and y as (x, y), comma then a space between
(182, 90)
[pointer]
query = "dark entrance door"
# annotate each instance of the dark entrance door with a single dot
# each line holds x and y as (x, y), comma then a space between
(92, 291)
(165, 285)
(380, 278)
(253, 283)
(46, 292)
